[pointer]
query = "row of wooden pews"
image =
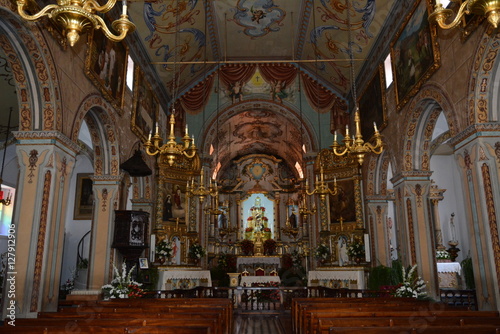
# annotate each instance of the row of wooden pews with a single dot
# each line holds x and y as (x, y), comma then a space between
(121, 316)
(387, 315)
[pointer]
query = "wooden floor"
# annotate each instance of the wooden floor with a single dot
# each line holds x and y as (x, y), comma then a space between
(272, 323)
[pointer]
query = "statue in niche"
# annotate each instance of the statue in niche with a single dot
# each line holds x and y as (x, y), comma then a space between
(257, 222)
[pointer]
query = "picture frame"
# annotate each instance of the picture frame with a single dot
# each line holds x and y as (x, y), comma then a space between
(145, 106)
(414, 53)
(143, 263)
(84, 198)
(343, 204)
(373, 105)
(106, 67)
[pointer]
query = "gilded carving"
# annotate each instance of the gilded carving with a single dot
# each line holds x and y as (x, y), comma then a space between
(490, 204)
(33, 159)
(37, 275)
(482, 110)
(104, 199)
(411, 232)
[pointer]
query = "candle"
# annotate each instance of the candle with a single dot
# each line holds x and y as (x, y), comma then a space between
(335, 136)
(124, 2)
(187, 130)
(375, 126)
(192, 141)
(156, 131)
(347, 130)
(149, 137)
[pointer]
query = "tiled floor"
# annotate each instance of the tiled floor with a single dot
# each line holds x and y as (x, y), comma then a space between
(262, 323)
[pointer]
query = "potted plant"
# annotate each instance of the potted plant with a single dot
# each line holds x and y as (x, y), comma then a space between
(412, 285)
(122, 285)
(443, 256)
(163, 251)
(196, 252)
(356, 251)
(246, 247)
(322, 253)
(270, 247)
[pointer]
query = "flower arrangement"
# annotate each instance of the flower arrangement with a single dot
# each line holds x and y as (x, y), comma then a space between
(164, 250)
(227, 262)
(122, 285)
(412, 285)
(266, 229)
(249, 229)
(322, 252)
(246, 246)
(270, 246)
(442, 255)
(356, 250)
(268, 295)
(196, 251)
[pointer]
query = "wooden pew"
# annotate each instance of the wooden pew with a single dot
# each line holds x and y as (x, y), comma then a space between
(412, 330)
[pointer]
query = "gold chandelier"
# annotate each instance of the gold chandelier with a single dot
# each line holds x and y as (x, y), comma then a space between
(321, 187)
(199, 190)
(488, 8)
(78, 16)
(171, 149)
(356, 147)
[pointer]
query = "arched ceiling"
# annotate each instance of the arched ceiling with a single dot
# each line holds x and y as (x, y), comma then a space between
(186, 40)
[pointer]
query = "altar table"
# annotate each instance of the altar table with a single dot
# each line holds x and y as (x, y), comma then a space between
(449, 275)
(247, 281)
(342, 277)
(182, 278)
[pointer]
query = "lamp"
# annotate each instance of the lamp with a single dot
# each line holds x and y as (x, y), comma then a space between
(78, 16)
(488, 8)
(321, 187)
(171, 148)
(356, 147)
(8, 200)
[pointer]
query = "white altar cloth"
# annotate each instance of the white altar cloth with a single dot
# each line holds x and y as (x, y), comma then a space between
(449, 267)
(170, 278)
(346, 276)
(248, 280)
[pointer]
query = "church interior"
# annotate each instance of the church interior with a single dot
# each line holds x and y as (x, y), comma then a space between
(257, 151)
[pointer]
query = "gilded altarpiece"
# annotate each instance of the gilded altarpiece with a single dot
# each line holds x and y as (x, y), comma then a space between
(175, 213)
(343, 223)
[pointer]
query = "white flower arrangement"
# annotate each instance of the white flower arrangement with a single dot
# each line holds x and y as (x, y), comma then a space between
(412, 286)
(322, 252)
(442, 255)
(164, 249)
(196, 251)
(122, 285)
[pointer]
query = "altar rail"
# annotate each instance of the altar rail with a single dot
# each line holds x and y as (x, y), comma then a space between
(280, 298)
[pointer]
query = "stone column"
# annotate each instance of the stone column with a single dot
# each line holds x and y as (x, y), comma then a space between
(436, 195)
(46, 161)
(106, 190)
(416, 234)
(377, 211)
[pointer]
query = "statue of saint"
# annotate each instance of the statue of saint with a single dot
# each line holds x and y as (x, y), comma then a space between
(257, 221)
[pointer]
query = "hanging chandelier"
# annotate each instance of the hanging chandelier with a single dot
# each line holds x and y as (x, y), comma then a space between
(356, 147)
(199, 190)
(321, 187)
(79, 16)
(488, 8)
(171, 149)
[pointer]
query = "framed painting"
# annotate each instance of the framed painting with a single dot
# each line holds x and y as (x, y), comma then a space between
(145, 106)
(415, 53)
(372, 105)
(84, 198)
(343, 204)
(106, 66)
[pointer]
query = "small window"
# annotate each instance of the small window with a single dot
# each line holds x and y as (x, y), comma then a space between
(299, 170)
(388, 71)
(130, 73)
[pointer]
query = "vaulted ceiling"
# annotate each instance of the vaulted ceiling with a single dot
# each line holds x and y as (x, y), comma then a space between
(186, 41)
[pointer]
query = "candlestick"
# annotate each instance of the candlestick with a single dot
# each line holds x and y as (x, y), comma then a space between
(347, 130)
(375, 126)
(124, 2)
(335, 136)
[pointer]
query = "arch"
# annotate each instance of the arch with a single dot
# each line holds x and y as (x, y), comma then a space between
(267, 110)
(37, 85)
(420, 121)
(483, 101)
(377, 173)
(100, 118)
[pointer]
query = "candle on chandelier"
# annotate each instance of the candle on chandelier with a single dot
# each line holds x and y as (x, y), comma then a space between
(149, 137)
(375, 126)
(187, 130)
(335, 136)
(156, 131)
(124, 2)
(347, 130)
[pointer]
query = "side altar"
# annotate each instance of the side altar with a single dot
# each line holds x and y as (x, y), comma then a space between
(172, 278)
(339, 277)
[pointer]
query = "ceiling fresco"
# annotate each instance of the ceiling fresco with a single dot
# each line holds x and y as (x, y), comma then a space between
(189, 41)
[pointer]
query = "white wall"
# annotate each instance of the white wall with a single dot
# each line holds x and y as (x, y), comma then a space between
(446, 176)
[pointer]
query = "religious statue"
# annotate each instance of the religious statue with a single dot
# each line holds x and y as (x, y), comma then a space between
(257, 221)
